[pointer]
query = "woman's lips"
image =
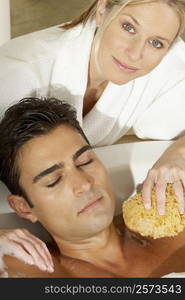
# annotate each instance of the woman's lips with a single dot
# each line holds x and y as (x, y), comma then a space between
(89, 205)
(125, 68)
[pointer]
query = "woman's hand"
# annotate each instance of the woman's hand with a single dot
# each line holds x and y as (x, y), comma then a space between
(26, 247)
(170, 168)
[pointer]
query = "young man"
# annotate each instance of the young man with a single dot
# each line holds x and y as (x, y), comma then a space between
(55, 178)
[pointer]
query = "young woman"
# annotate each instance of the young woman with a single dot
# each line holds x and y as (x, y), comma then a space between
(122, 65)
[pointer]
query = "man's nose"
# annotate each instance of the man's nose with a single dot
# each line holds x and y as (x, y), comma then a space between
(82, 182)
(135, 50)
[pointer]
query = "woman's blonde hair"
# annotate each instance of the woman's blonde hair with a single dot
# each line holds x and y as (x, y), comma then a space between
(114, 7)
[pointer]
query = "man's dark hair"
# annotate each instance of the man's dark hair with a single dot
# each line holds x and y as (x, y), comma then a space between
(29, 118)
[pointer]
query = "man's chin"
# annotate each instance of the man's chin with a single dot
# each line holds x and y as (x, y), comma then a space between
(100, 223)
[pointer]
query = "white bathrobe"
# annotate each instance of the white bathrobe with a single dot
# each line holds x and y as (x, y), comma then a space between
(54, 62)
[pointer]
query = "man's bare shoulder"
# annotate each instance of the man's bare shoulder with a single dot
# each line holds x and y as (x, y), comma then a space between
(15, 267)
(63, 267)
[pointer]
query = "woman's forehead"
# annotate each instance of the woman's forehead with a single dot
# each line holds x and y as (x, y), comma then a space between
(158, 16)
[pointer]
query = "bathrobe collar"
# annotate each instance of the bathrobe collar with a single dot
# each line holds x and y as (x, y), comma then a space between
(71, 65)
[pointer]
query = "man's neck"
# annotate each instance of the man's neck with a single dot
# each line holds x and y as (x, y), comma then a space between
(99, 250)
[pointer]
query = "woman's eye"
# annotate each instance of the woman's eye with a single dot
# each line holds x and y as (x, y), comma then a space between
(85, 163)
(156, 43)
(55, 182)
(128, 27)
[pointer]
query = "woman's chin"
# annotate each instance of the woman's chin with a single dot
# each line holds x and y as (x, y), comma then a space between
(124, 80)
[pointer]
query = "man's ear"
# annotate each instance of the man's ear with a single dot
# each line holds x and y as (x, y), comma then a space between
(21, 207)
(100, 12)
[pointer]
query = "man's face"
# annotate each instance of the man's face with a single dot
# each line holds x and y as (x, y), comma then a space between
(67, 184)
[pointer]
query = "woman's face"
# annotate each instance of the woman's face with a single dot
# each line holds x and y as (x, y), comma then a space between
(135, 42)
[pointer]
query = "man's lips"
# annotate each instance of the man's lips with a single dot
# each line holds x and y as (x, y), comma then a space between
(89, 205)
(125, 67)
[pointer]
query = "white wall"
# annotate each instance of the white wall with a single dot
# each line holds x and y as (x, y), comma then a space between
(4, 21)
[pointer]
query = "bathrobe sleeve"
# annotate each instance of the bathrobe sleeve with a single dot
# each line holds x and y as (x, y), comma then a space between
(17, 80)
(164, 118)
(26, 65)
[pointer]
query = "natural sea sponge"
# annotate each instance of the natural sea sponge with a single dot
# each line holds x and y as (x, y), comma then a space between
(183, 219)
(149, 222)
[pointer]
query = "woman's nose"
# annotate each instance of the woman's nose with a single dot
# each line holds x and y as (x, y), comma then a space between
(82, 182)
(135, 50)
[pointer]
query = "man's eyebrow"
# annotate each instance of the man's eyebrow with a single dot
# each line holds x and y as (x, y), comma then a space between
(81, 150)
(48, 171)
(60, 165)
(137, 22)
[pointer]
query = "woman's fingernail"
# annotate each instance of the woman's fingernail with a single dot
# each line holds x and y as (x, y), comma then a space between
(30, 262)
(182, 210)
(43, 268)
(147, 205)
(161, 211)
(50, 269)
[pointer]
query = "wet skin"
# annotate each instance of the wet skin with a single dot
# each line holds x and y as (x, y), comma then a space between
(73, 199)
(143, 257)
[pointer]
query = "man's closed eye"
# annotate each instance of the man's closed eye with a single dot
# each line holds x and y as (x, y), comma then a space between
(55, 182)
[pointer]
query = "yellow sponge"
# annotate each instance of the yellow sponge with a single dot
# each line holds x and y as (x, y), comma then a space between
(149, 222)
